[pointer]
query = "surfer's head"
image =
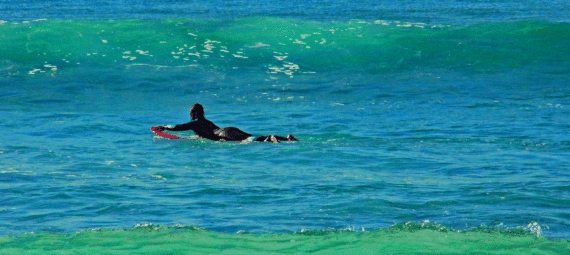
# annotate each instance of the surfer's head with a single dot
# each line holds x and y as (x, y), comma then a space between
(197, 112)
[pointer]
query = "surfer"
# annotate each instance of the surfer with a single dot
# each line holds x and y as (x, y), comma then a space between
(207, 129)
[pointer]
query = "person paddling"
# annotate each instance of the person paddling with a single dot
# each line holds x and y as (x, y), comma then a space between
(207, 129)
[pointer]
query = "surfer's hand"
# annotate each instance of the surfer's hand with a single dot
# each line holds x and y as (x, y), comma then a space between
(160, 128)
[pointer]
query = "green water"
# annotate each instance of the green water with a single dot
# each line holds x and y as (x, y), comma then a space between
(280, 46)
(402, 239)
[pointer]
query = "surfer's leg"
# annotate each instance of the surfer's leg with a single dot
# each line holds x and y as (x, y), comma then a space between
(278, 138)
(291, 138)
(275, 138)
(270, 138)
(281, 138)
(260, 139)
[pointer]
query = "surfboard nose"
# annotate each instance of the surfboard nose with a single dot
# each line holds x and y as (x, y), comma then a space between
(158, 132)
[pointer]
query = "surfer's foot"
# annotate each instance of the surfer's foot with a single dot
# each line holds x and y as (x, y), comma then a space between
(291, 138)
(272, 139)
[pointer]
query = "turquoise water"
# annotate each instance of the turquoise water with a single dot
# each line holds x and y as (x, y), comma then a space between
(400, 239)
(411, 118)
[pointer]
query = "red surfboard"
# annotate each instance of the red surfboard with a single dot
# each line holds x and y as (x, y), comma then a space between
(161, 134)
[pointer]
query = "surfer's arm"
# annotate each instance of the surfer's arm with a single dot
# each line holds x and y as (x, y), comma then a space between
(181, 127)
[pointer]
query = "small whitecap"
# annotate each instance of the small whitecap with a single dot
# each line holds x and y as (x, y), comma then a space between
(34, 71)
(280, 58)
(381, 22)
(297, 41)
(142, 52)
(259, 45)
(160, 177)
(292, 66)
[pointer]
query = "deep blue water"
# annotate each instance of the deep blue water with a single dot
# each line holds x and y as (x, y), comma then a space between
(453, 112)
(439, 12)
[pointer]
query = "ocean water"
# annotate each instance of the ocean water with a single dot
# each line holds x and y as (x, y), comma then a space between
(425, 127)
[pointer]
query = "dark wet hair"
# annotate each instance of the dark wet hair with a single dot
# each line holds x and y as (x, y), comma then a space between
(197, 112)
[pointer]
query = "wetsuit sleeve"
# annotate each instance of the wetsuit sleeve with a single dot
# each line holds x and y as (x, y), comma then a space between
(183, 127)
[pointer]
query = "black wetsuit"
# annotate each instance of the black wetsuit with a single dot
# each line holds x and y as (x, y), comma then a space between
(206, 129)
(202, 127)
